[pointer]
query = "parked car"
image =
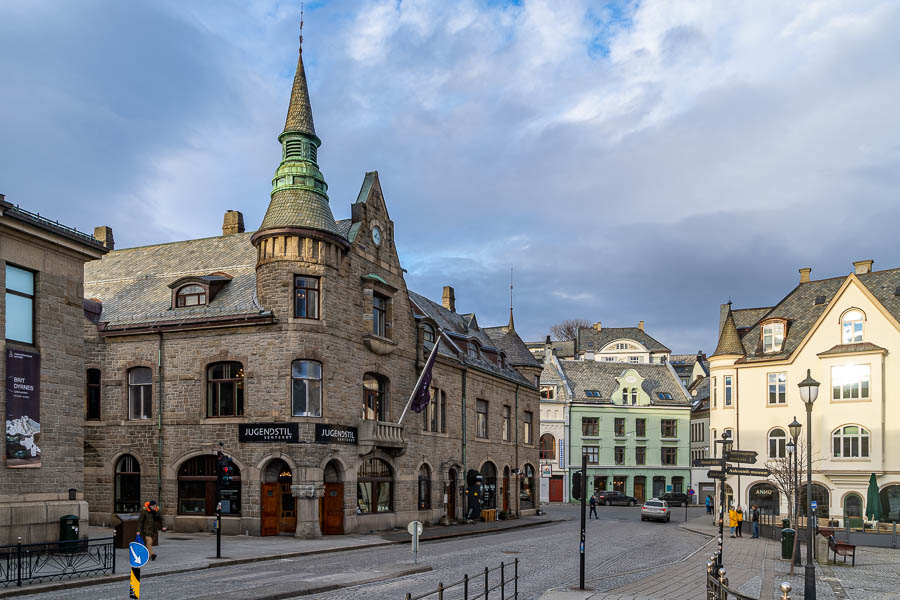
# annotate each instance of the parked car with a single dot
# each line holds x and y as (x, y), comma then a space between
(675, 499)
(609, 497)
(656, 510)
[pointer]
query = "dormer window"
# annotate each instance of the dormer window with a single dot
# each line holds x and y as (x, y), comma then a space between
(852, 326)
(472, 350)
(190, 295)
(773, 336)
(428, 333)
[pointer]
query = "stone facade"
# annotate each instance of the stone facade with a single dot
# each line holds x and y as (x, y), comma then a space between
(33, 499)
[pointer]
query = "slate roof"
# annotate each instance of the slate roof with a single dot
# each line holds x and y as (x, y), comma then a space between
(563, 349)
(601, 376)
(508, 340)
(299, 208)
(299, 116)
(701, 386)
(133, 284)
(589, 339)
(729, 340)
(851, 348)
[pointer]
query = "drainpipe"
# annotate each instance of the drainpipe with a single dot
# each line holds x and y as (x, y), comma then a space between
(882, 413)
(737, 428)
(518, 492)
(465, 478)
(159, 415)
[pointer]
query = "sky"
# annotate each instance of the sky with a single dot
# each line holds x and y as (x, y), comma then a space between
(629, 160)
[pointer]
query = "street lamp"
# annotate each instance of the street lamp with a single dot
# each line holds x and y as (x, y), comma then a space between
(809, 391)
(794, 487)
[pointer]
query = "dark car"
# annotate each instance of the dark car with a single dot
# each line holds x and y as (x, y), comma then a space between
(675, 499)
(609, 497)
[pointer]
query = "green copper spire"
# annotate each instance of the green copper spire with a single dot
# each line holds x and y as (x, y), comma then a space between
(299, 191)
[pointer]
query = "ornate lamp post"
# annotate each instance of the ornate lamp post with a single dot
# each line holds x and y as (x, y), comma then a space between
(809, 391)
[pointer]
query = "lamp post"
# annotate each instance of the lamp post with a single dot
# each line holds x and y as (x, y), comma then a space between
(809, 391)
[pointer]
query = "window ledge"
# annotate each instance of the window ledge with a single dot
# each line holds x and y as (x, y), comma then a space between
(851, 459)
(669, 439)
(93, 423)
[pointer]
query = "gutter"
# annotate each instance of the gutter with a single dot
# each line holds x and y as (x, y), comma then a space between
(159, 413)
(536, 503)
(185, 325)
(465, 473)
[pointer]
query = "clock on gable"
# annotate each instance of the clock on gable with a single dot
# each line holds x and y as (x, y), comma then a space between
(376, 235)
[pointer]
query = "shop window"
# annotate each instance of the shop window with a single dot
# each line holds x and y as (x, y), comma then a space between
(374, 405)
(489, 485)
(853, 506)
(306, 388)
(678, 484)
(374, 487)
(197, 488)
(225, 390)
(92, 395)
(127, 493)
(140, 393)
(424, 487)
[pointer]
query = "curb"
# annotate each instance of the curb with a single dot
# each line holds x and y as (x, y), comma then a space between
(229, 562)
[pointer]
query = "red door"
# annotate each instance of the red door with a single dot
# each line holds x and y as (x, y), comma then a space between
(556, 488)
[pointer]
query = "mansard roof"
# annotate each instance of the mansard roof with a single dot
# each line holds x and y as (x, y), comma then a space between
(601, 376)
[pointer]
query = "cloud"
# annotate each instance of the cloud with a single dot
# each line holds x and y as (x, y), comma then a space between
(632, 160)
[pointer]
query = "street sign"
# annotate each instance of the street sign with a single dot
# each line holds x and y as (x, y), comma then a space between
(415, 530)
(747, 471)
(716, 475)
(707, 462)
(741, 456)
(690, 491)
(815, 505)
(138, 555)
(546, 470)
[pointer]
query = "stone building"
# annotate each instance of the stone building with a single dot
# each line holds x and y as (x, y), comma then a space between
(293, 349)
(41, 311)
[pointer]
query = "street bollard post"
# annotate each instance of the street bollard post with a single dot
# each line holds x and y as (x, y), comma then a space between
(19, 562)
(516, 581)
(466, 586)
(440, 590)
(786, 591)
(486, 583)
(502, 582)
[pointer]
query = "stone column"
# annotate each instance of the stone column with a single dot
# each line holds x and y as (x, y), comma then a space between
(308, 495)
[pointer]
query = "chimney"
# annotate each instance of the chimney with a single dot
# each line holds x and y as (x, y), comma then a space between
(233, 223)
(641, 325)
(104, 235)
(861, 267)
(804, 275)
(548, 349)
(449, 299)
(598, 326)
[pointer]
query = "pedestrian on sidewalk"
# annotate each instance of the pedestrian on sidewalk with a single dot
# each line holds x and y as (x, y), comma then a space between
(149, 525)
(754, 518)
(708, 504)
(732, 520)
(740, 521)
(593, 507)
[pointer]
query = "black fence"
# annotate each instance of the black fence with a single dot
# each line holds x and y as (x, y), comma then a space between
(496, 583)
(50, 561)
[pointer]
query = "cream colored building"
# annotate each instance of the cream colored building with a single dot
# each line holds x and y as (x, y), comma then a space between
(846, 331)
(554, 443)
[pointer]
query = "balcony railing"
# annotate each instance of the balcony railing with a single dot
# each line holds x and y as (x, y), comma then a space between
(381, 434)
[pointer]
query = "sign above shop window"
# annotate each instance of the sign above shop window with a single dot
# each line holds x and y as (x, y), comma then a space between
(269, 432)
(335, 434)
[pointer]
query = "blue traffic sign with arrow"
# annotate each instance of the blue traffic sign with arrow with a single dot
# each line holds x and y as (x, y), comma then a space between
(138, 555)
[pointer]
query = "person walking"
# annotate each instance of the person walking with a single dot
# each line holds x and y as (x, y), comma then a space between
(740, 521)
(593, 507)
(754, 518)
(732, 520)
(708, 505)
(149, 525)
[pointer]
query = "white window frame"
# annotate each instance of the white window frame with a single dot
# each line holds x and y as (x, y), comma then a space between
(729, 391)
(777, 385)
(774, 331)
(854, 334)
(780, 443)
(846, 442)
(849, 379)
(144, 392)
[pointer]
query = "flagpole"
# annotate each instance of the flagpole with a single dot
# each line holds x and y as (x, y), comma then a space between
(412, 395)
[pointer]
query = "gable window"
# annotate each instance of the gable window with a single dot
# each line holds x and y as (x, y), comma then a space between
(92, 395)
(547, 392)
(640, 427)
(777, 441)
(852, 326)
(428, 333)
(777, 388)
(471, 349)
(379, 315)
(225, 390)
(851, 441)
(668, 428)
(669, 456)
(548, 447)
(619, 427)
(507, 423)
(728, 390)
(481, 419)
(634, 395)
(306, 388)
(190, 295)
(306, 297)
(19, 305)
(590, 426)
(624, 395)
(374, 406)
(850, 382)
(140, 392)
(773, 336)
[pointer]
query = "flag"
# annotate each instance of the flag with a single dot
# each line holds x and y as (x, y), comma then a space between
(421, 396)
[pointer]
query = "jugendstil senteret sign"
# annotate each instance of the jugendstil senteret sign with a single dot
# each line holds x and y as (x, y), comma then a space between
(269, 432)
(335, 434)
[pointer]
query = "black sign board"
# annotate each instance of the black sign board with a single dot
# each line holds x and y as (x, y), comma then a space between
(269, 432)
(747, 471)
(707, 462)
(741, 456)
(23, 409)
(716, 475)
(335, 434)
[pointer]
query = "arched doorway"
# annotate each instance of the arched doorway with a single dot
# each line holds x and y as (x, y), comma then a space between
(489, 485)
(820, 495)
(853, 510)
(890, 503)
(729, 496)
(526, 494)
(279, 507)
(506, 489)
(766, 497)
(451, 494)
(331, 508)
(127, 493)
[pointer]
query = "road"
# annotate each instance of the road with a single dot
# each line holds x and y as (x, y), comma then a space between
(620, 549)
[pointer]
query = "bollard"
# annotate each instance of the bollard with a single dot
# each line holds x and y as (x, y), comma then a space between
(786, 591)
(19, 562)
(440, 590)
(723, 584)
(486, 579)
(466, 587)
(408, 596)
(502, 583)
(516, 581)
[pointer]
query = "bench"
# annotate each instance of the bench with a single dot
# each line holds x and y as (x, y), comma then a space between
(843, 549)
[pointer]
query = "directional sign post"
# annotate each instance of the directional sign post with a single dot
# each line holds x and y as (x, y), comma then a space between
(707, 462)
(717, 475)
(138, 556)
(747, 471)
(741, 456)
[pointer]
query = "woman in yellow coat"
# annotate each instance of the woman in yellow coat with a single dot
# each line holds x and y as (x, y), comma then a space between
(732, 519)
(740, 521)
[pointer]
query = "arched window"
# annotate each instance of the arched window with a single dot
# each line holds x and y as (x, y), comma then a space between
(197, 488)
(225, 390)
(853, 506)
(634, 395)
(424, 487)
(374, 406)
(821, 497)
(548, 447)
(852, 326)
(489, 483)
(890, 503)
(127, 493)
(374, 487)
(140, 392)
(777, 441)
(428, 334)
(92, 395)
(850, 441)
(306, 388)
(526, 492)
(766, 497)
(624, 395)
(190, 295)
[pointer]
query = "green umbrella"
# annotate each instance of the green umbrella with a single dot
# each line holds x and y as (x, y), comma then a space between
(873, 501)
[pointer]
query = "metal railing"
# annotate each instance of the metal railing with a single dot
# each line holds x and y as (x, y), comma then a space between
(55, 560)
(479, 586)
(717, 585)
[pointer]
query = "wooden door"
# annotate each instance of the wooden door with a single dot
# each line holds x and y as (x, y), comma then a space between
(333, 509)
(556, 489)
(287, 510)
(505, 493)
(639, 489)
(270, 509)
(451, 500)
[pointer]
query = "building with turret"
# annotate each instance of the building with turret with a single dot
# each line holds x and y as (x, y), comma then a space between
(293, 350)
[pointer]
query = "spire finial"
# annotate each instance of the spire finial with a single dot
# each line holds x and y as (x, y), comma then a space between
(512, 325)
(301, 27)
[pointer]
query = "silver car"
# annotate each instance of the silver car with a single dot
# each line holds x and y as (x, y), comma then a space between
(656, 509)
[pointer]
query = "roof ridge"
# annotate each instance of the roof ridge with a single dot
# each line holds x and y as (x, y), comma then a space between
(211, 237)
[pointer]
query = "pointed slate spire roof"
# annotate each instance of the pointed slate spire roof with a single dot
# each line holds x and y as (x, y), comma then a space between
(512, 323)
(299, 192)
(729, 340)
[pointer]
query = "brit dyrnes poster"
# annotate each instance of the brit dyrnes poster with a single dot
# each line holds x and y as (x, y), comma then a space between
(23, 409)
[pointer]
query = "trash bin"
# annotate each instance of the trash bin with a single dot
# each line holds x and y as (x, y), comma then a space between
(126, 529)
(68, 533)
(785, 523)
(787, 543)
